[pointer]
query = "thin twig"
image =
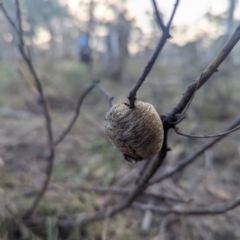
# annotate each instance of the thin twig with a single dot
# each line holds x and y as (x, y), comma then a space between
(50, 139)
(25, 232)
(22, 46)
(178, 210)
(100, 215)
(144, 167)
(54, 86)
(182, 115)
(19, 18)
(206, 136)
(77, 112)
(10, 21)
(185, 101)
(173, 14)
(107, 95)
(219, 209)
(194, 156)
(125, 191)
(156, 162)
(205, 75)
(158, 16)
(148, 68)
(48, 121)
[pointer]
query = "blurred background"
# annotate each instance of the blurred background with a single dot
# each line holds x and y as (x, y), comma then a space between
(73, 42)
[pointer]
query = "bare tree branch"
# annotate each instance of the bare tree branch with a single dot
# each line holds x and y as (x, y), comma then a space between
(19, 18)
(173, 14)
(206, 74)
(77, 112)
(48, 121)
(206, 136)
(125, 191)
(158, 17)
(107, 95)
(194, 156)
(100, 215)
(6, 15)
(157, 161)
(168, 123)
(219, 209)
(173, 116)
(182, 115)
(148, 68)
(142, 170)
(178, 210)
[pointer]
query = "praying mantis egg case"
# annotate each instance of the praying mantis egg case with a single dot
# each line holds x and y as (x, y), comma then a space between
(137, 133)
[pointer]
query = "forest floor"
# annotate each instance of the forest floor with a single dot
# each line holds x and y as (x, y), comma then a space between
(87, 159)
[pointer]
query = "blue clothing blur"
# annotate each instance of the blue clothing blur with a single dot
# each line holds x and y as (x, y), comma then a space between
(83, 41)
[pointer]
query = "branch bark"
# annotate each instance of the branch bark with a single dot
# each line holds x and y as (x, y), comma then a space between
(48, 120)
(189, 211)
(190, 159)
(148, 68)
(205, 75)
(77, 112)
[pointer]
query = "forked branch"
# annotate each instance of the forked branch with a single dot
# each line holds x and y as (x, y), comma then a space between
(23, 49)
(205, 75)
(148, 68)
(167, 121)
(48, 120)
(190, 159)
(76, 114)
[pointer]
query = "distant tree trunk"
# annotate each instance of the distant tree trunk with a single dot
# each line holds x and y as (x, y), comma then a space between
(51, 42)
(15, 37)
(229, 26)
(230, 20)
(117, 47)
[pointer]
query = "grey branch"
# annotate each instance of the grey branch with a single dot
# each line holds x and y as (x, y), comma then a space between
(216, 209)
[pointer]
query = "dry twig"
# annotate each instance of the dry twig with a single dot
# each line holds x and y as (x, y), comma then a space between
(194, 156)
(178, 210)
(125, 191)
(77, 112)
(167, 121)
(216, 209)
(158, 16)
(48, 122)
(205, 75)
(148, 68)
(23, 49)
(206, 136)
(106, 94)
